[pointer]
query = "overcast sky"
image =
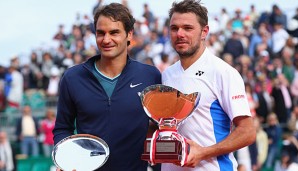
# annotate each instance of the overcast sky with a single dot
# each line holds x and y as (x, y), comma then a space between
(29, 24)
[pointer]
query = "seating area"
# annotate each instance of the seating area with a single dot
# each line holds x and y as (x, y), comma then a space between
(38, 102)
(8, 120)
(35, 164)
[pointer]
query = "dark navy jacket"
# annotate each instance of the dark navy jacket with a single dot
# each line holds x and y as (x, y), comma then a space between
(119, 120)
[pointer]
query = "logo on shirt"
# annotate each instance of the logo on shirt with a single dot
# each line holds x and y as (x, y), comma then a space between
(134, 85)
(238, 97)
(199, 73)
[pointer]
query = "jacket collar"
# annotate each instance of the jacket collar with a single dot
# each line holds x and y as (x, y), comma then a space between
(90, 62)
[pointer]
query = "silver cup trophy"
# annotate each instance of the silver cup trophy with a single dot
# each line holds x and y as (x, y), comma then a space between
(167, 107)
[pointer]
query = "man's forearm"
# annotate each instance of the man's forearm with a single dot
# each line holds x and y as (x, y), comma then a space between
(243, 135)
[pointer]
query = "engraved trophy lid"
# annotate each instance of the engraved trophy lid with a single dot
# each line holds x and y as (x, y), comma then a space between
(162, 102)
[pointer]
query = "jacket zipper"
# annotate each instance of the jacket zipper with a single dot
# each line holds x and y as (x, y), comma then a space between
(109, 101)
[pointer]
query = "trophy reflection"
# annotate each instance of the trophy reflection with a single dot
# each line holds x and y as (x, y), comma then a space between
(167, 107)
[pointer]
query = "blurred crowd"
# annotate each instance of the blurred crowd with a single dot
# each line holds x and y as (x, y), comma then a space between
(262, 46)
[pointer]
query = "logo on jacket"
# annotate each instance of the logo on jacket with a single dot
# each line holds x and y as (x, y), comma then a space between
(134, 85)
(199, 73)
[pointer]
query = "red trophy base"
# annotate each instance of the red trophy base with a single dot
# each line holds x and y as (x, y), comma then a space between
(167, 151)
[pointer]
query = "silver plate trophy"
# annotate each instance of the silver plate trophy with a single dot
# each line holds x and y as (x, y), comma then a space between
(168, 107)
(80, 152)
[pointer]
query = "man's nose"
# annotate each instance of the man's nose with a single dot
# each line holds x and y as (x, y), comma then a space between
(180, 32)
(106, 38)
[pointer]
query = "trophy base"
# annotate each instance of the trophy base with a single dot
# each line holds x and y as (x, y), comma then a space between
(167, 151)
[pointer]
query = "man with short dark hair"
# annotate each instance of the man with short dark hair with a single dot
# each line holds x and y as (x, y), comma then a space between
(101, 95)
(223, 99)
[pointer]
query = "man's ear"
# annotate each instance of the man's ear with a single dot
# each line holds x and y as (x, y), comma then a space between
(129, 35)
(205, 31)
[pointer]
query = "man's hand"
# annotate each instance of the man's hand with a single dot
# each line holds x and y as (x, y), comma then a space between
(195, 154)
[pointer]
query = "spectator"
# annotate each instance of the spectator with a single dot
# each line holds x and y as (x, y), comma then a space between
(290, 145)
(237, 21)
(277, 16)
(35, 75)
(252, 99)
(86, 23)
(262, 67)
(293, 121)
(274, 132)
(286, 163)
(141, 28)
(60, 35)
(279, 38)
(156, 48)
(228, 58)
(89, 39)
(223, 19)
(293, 25)
(164, 63)
(46, 65)
(288, 68)
(264, 17)
(149, 17)
(257, 39)
(97, 5)
(6, 153)
(262, 143)
(282, 98)
(46, 127)
(52, 90)
(76, 34)
(253, 16)
(253, 152)
(243, 158)
(234, 46)
(214, 44)
(125, 3)
(15, 62)
(264, 48)
(265, 102)
(27, 131)
(2, 95)
(153, 49)
(67, 62)
(142, 55)
(78, 47)
(59, 54)
(14, 82)
(78, 58)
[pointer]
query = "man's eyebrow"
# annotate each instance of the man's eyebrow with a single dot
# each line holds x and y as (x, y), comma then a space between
(115, 30)
(110, 31)
(185, 25)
